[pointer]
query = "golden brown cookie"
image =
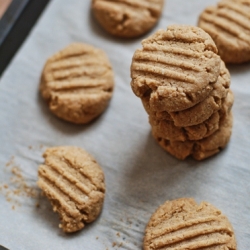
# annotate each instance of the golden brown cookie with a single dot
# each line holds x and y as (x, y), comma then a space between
(167, 130)
(74, 183)
(200, 149)
(176, 68)
(77, 82)
(201, 111)
(184, 224)
(229, 25)
(127, 18)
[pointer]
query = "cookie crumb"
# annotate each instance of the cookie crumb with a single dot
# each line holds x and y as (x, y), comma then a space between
(10, 162)
(16, 186)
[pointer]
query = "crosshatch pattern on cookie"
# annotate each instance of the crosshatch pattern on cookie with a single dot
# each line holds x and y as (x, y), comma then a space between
(183, 224)
(74, 183)
(176, 68)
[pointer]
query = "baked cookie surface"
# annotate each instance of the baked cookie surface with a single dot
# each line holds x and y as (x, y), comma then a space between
(228, 24)
(74, 183)
(184, 224)
(77, 83)
(176, 68)
(127, 18)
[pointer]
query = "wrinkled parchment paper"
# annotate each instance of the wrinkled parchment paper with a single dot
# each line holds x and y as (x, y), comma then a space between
(139, 174)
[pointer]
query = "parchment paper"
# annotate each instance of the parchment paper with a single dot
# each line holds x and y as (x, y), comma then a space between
(140, 176)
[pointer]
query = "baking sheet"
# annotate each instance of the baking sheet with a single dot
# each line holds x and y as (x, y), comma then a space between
(139, 174)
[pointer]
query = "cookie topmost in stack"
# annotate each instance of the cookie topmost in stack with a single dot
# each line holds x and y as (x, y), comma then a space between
(228, 24)
(176, 68)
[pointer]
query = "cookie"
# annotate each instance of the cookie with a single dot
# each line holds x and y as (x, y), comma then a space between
(201, 111)
(176, 68)
(77, 83)
(74, 183)
(168, 131)
(184, 224)
(127, 18)
(228, 24)
(200, 149)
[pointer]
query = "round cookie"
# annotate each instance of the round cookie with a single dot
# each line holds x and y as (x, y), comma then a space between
(201, 111)
(176, 68)
(74, 183)
(77, 83)
(229, 25)
(127, 18)
(185, 224)
(200, 149)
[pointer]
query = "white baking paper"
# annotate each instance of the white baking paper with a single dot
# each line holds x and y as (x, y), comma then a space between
(139, 174)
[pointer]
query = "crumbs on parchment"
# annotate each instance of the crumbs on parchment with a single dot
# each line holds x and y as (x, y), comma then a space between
(16, 186)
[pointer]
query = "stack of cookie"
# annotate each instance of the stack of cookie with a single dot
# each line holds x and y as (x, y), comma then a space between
(184, 87)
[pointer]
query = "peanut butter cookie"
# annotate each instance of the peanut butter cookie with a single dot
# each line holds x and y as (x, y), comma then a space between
(228, 24)
(204, 148)
(168, 131)
(176, 68)
(184, 224)
(127, 18)
(74, 183)
(77, 83)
